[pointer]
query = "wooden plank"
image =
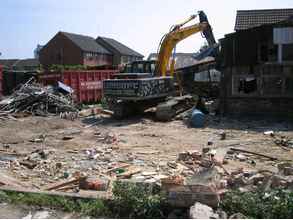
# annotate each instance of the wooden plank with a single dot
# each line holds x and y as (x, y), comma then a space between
(118, 167)
(28, 164)
(81, 195)
(10, 181)
(250, 152)
(64, 183)
(107, 112)
(128, 173)
(64, 188)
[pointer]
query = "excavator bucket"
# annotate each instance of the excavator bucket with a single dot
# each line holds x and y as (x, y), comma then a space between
(208, 32)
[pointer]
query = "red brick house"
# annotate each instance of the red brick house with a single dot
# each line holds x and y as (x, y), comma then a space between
(74, 49)
(121, 53)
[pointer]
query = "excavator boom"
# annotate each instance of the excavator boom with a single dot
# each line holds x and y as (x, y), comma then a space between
(177, 34)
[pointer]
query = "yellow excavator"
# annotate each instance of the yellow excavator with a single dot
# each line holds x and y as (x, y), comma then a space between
(177, 34)
(145, 84)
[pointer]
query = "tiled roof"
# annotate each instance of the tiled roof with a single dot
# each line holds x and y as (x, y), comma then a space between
(121, 48)
(86, 43)
(246, 19)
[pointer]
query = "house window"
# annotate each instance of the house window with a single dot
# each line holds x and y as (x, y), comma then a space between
(246, 84)
(89, 55)
(138, 68)
(124, 59)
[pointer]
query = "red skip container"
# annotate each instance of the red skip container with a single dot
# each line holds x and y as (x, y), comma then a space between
(87, 85)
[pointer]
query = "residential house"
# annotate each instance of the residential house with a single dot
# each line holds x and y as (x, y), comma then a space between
(121, 53)
(27, 65)
(17, 72)
(74, 49)
(7, 63)
(30, 64)
(246, 19)
(257, 63)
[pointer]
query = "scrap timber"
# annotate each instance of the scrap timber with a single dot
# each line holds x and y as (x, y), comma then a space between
(37, 100)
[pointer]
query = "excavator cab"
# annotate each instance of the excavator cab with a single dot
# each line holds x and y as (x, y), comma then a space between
(141, 66)
(137, 69)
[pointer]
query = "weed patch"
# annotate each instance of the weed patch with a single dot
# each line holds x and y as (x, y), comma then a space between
(137, 201)
(269, 205)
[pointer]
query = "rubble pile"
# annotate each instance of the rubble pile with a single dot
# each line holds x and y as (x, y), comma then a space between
(37, 100)
(207, 180)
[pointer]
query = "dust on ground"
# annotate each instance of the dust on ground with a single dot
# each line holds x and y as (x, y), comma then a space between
(139, 141)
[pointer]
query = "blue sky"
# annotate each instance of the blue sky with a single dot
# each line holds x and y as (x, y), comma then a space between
(140, 24)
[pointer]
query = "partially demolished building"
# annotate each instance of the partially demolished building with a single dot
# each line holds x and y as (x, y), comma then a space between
(257, 63)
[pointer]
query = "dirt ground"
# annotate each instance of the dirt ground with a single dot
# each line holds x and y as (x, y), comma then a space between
(9, 211)
(142, 142)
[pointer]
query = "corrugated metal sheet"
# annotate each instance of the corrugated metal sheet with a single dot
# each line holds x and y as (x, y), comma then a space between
(283, 35)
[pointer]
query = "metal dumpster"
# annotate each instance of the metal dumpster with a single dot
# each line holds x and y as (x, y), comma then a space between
(87, 85)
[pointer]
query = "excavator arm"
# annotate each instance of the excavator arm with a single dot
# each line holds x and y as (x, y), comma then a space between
(177, 34)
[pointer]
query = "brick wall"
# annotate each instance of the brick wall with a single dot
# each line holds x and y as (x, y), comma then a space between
(259, 106)
(272, 91)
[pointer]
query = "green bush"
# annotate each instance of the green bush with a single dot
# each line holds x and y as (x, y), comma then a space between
(136, 201)
(87, 207)
(274, 204)
(57, 67)
(130, 201)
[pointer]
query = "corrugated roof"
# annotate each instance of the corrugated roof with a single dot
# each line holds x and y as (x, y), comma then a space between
(86, 43)
(246, 19)
(121, 48)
